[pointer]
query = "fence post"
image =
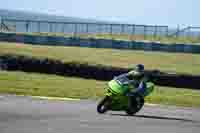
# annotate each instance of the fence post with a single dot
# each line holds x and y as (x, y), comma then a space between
(87, 28)
(27, 26)
(63, 28)
(99, 29)
(133, 32)
(75, 30)
(177, 33)
(167, 31)
(3, 25)
(39, 26)
(0, 24)
(15, 27)
(189, 31)
(145, 30)
(50, 27)
(122, 28)
(155, 31)
(111, 29)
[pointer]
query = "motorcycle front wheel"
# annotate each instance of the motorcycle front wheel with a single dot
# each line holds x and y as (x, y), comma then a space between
(103, 105)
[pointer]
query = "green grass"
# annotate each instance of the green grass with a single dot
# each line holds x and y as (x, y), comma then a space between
(50, 85)
(169, 62)
(152, 38)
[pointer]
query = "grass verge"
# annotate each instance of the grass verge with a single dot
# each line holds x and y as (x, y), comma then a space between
(56, 86)
(169, 62)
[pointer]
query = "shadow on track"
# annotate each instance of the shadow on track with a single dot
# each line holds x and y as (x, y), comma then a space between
(158, 118)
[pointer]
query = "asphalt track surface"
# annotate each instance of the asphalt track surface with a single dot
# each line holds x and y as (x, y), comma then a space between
(28, 115)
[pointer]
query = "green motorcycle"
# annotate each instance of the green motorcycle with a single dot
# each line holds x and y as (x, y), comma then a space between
(116, 99)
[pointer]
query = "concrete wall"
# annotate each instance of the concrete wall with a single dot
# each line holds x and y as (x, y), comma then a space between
(99, 43)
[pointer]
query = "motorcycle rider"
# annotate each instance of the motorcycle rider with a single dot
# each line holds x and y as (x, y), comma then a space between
(138, 83)
(138, 79)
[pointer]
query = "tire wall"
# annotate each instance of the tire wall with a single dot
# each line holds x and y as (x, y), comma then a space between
(84, 70)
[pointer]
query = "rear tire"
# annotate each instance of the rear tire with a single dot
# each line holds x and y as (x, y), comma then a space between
(135, 104)
(103, 105)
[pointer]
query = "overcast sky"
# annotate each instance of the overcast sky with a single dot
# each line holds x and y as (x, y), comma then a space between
(160, 12)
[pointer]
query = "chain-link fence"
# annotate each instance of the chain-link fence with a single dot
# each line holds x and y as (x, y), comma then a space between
(117, 31)
(189, 32)
(100, 30)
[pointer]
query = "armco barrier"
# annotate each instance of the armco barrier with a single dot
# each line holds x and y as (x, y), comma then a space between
(98, 72)
(98, 43)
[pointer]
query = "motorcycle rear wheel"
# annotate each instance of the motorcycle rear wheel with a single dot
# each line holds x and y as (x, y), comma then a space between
(135, 105)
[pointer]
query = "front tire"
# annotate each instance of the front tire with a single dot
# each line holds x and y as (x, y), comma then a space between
(103, 105)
